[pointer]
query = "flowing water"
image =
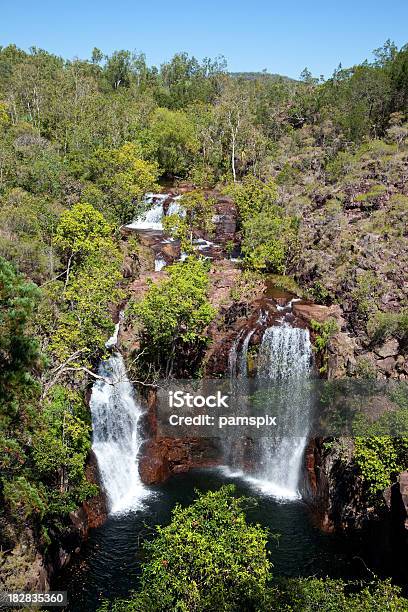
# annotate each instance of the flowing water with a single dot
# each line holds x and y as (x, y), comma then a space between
(116, 434)
(152, 218)
(109, 562)
(285, 360)
(282, 384)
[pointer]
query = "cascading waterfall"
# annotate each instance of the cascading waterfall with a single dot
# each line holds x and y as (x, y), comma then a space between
(285, 359)
(284, 368)
(243, 358)
(116, 437)
(152, 218)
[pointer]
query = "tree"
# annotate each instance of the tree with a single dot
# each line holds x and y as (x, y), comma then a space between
(208, 558)
(19, 353)
(236, 121)
(171, 139)
(252, 196)
(270, 241)
(92, 278)
(174, 314)
(123, 178)
(82, 231)
(118, 69)
(97, 56)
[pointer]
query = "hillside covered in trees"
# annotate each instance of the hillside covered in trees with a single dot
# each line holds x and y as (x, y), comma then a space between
(317, 171)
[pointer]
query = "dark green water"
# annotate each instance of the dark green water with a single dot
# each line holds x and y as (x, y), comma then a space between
(109, 562)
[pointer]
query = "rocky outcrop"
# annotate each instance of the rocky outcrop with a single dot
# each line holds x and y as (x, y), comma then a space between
(94, 511)
(163, 457)
(332, 486)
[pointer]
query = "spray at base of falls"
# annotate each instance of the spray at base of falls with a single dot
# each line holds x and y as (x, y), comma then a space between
(116, 436)
(284, 365)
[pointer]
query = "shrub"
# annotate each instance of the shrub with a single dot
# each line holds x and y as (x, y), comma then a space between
(208, 558)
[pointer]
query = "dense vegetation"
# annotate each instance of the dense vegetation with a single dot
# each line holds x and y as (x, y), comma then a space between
(318, 172)
(210, 558)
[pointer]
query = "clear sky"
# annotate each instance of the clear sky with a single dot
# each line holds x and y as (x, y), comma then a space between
(282, 36)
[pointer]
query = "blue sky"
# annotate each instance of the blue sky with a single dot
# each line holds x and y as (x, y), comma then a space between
(282, 36)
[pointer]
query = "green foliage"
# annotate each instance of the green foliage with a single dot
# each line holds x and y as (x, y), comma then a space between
(27, 224)
(208, 558)
(253, 196)
(270, 241)
(60, 449)
(366, 292)
(323, 333)
(384, 325)
(83, 324)
(381, 445)
(328, 595)
(123, 179)
(175, 312)
(19, 352)
(82, 230)
(172, 141)
(24, 498)
(379, 460)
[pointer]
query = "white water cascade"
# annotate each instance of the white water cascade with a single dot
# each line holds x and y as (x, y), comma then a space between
(152, 218)
(116, 437)
(284, 368)
(285, 359)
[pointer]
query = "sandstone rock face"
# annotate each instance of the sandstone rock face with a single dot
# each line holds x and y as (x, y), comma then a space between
(319, 313)
(162, 457)
(389, 349)
(342, 361)
(94, 511)
(332, 487)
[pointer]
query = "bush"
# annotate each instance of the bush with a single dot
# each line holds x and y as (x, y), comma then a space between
(174, 314)
(384, 325)
(208, 558)
(270, 241)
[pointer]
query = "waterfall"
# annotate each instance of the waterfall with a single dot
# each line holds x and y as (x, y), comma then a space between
(152, 218)
(285, 359)
(159, 263)
(283, 372)
(243, 360)
(116, 437)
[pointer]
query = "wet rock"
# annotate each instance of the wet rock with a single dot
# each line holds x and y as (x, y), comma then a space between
(94, 511)
(162, 457)
(153, 465)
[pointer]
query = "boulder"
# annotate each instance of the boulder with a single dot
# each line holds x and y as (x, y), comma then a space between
(386, 365)
(317, 312)
(153, 465)
(389, 349)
